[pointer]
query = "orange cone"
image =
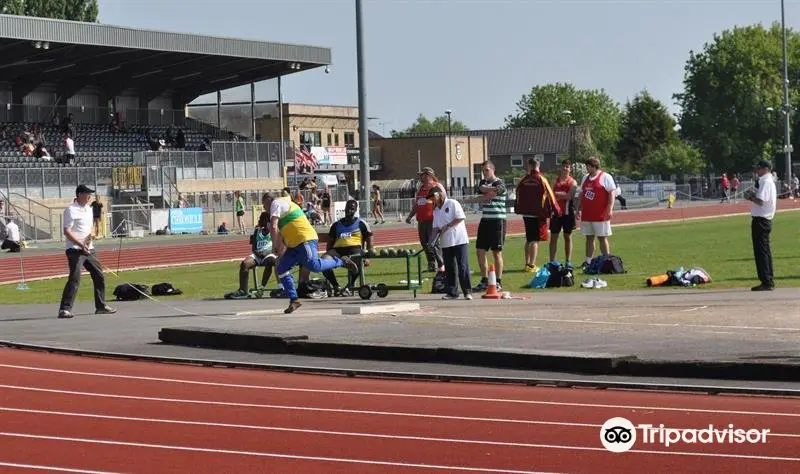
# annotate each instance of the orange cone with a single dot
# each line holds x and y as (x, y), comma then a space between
(491, 291)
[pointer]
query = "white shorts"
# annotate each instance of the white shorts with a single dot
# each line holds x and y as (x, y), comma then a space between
(262, 261)
(599, 229)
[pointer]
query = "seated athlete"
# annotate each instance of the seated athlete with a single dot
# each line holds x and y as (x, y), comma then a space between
(347, 238)
(262, 256)
(295, 240)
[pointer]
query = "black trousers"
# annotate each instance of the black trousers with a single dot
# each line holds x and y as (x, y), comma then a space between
(11, 246)
(352, 275)
(456, 267)
(78, 260)
(433, 253)
(761, 228)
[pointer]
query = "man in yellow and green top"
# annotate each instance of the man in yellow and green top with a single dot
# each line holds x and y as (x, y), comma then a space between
(295, 241)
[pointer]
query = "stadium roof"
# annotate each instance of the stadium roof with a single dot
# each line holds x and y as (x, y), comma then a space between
(34, 51)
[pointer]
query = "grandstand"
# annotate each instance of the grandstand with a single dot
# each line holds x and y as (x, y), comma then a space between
(121, 89)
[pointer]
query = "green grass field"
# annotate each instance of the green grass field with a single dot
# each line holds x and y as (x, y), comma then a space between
(722, 246)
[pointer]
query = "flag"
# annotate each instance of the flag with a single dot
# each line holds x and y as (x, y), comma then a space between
(305, 159)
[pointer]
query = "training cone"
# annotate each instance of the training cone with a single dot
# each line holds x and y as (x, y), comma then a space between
(491, 291)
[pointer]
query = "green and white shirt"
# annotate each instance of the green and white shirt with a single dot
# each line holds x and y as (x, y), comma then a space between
(496, 208)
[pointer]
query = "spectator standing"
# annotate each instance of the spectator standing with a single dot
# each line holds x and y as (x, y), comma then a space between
(565, 190)
(536, 203)
(238, 207)
(764, 201)
(326, 206)
(450, 227)
(492, 226)
(725, 187)
(598, 192)
(97, 216)
(423, 210)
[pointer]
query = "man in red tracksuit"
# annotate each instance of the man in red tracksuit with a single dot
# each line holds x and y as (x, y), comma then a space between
(536, 203)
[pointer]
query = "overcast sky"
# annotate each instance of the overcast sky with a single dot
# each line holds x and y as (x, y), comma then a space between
(476, 57)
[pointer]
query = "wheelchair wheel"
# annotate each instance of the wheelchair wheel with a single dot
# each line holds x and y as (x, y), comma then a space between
(365, 292)
(382, 290)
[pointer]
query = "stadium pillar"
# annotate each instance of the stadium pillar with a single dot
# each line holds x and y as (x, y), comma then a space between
(363, 128)
(219, 110)
(280, 119)
(787, 107)
(253, 108)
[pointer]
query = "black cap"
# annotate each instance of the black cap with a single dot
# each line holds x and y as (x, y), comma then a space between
(82, 188)
(763, 164)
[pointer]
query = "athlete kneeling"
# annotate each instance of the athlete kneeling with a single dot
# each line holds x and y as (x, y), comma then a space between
(262, 256)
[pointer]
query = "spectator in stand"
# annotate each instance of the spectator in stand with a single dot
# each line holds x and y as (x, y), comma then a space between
(598, 192)
(180, 139)
(536, 203)
(69, 149)
(12, 241)
(423, 210)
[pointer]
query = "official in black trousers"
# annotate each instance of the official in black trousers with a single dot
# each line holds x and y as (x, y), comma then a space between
(764, 200)
(78, 231)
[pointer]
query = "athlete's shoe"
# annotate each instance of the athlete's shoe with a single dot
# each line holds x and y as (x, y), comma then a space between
(293, 306)
(237, 295)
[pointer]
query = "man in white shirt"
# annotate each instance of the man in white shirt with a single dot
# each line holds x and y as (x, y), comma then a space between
(12, 240)
(78, 227)
(450, 227)
(764, 200)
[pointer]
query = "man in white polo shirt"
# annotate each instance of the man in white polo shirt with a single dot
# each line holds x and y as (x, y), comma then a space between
(78, 227)
(764, 200)
(449, 225)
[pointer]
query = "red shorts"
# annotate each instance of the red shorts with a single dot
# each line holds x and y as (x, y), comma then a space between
(536, 229)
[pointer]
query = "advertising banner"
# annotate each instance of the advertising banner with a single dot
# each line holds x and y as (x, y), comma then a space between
(189, 219)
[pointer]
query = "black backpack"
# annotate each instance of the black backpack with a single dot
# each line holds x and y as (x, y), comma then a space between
(439, 285)
(164, 289)
(605, 265)
(313, 289)
(131, 292)
(559, 276)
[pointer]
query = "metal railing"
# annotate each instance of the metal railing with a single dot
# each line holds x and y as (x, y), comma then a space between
(45, 183)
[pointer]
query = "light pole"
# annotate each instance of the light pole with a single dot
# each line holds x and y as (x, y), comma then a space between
(786, 107)
(363, 128)
(568, 113)
(450, 147)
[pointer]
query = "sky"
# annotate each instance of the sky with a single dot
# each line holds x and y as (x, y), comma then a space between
(474, 57)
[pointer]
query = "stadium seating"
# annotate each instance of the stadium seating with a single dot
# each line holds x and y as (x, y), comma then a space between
(95, 144)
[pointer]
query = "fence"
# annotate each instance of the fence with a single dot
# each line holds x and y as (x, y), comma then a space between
(226, 160)
(45, 183)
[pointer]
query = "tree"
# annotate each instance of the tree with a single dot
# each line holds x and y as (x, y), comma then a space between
(423, 125)
(646, 126)
(675, 157)
(78, 10)
(544, 106)
(727, 89)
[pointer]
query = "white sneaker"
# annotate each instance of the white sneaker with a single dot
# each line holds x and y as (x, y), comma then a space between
(468, 296)
(449, 297)
(598, 283)
(588, 283)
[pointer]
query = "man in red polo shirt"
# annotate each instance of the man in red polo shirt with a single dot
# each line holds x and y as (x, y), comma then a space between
(423, 210)
(598, 191)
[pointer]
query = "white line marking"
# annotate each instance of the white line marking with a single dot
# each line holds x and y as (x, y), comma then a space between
(387, 463)
(377, 394)
(618, 323)
(324, 432)
(270, 455)
(693, 309)
(296, 408)
(52, 468)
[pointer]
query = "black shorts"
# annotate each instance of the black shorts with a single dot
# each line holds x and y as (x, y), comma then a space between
(562, 223)
(344, 252)
(491, 234)
(535, 229)
(240, 213)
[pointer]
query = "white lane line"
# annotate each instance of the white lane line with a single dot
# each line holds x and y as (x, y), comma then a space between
(287, 407)
(51, 468)
(323, 432)
(269, 455)
(384, 394)
(693, 309)
(388, 463)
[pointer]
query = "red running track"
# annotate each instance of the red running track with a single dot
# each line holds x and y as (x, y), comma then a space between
(102, 415)
(53, 264)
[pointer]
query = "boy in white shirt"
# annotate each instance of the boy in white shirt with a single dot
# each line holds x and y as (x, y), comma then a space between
(450, 227)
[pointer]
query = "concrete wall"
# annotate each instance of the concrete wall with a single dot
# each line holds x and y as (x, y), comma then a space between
(212, 185)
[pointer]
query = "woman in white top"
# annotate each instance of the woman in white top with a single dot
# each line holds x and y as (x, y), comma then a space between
(450, 228)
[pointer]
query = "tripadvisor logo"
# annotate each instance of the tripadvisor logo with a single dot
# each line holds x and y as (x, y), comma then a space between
(618, 435)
